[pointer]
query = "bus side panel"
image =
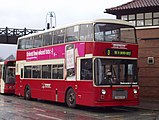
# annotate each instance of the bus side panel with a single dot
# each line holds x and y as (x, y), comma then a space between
(1, 78)
(9, 88)
(89, 47)
(52, 90)
(55, 90)
(21, 55)
(39, 89)
(2, 85)
(17, 86)
(85, 93)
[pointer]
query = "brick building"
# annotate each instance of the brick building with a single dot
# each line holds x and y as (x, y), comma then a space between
(144, 14)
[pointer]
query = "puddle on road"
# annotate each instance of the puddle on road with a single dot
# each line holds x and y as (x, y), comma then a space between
(8, 101)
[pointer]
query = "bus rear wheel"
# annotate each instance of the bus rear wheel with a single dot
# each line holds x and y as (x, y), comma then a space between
(71, 98)
(27, 94)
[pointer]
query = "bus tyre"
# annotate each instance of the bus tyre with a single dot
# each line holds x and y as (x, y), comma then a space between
(71, 98)
(27, 94)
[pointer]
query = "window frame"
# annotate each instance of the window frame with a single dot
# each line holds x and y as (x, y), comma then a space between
(90, 32)
(86, 69)
(58, 34)
(46, 72)
(72, 32)
(144, 21)
(37, 39)
(57, 67)
(45, 40)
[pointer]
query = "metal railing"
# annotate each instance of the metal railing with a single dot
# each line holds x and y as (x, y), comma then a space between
(16, 32)
(10, 35)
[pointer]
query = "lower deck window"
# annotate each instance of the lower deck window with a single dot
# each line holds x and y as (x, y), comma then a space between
(43, 71)
(46, 71)
(57, 72)
(36, 71)
(27, 71)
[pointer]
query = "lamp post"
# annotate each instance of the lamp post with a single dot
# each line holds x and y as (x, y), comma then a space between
(51, 15)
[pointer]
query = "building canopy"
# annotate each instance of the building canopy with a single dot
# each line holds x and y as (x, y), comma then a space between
(135, 6)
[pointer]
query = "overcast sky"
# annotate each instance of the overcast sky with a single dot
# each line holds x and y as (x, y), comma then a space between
(32, 14)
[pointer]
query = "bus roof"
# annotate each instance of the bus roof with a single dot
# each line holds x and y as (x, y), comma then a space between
(114, 21)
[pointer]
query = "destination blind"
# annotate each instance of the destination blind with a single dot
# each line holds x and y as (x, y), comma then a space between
(119, 52)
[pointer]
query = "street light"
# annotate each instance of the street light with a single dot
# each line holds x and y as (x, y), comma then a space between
(49, 24)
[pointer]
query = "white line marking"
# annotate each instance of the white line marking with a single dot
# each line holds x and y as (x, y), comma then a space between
(123, 109)
(147, 114)
(39, 109)
(114, 116)
(55, 118)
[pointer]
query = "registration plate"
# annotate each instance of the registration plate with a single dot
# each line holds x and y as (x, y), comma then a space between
(120, 97)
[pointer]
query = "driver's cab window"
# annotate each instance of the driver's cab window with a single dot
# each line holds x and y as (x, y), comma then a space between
(130, 74)
(10, 75)
(109, 74)
(11, 72)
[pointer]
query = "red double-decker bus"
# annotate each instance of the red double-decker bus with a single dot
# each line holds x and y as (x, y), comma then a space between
(7, 77)
(92, 63)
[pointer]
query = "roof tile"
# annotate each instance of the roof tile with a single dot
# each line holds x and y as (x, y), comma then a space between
(135, 4)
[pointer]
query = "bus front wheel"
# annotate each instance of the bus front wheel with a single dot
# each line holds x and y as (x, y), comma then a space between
(71, 98)
(27, 94)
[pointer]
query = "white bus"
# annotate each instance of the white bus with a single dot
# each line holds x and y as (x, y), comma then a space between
(7, 77)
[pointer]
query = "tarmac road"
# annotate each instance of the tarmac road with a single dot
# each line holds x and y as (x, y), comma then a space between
(16, 108)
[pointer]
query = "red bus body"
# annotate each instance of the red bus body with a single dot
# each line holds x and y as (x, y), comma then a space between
(7, 77)
(87, 92)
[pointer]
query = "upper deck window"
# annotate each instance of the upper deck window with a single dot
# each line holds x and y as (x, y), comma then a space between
(86, 32)
(59, 36)
(21, 44)
(114, 33)
(72, 33)
(29, 43)
(37, 41)
(47, 39)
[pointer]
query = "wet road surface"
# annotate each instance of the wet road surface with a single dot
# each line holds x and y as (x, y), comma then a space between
(16, 108)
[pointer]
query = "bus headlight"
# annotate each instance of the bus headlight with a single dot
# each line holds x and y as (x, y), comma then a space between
(103, 92)
(135, 91)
